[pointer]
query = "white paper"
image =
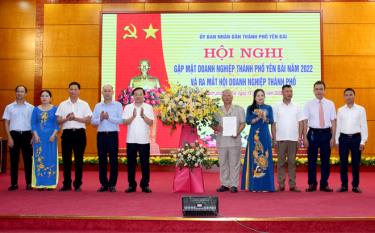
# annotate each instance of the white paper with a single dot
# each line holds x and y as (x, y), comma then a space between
(229, 126)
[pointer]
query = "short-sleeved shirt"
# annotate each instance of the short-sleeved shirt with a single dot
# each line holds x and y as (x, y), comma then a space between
(311, 112)
(19, 116)
(80, 109)
(138, 130)
(287, 118)
(234, 111)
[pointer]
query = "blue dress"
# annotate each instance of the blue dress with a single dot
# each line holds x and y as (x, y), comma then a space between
(257, 173)
(45, 167)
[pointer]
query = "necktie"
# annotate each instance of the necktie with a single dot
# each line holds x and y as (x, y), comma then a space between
(321, 114)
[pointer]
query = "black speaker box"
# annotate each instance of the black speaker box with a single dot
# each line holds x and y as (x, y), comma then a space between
(200, 206)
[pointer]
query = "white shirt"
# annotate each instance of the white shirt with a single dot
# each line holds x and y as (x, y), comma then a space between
(19, 116)
(287, 118)
(80, 109)
(351, 121)
(311, 112)
(138, 130)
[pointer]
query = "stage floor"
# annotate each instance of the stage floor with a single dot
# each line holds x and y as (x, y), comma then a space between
(163, 203)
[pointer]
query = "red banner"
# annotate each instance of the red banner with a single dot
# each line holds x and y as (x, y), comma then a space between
(140, 38)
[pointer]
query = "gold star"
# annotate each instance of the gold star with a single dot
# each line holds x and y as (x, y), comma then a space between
(150, 31)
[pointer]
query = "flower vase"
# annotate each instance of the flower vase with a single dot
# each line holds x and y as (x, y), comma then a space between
(188, 135)
(188, 180)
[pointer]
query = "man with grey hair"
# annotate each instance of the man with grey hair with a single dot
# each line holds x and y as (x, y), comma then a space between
(229, 147)
(107, 116)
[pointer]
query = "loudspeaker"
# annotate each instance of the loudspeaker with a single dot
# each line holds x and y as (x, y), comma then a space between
(200, 206)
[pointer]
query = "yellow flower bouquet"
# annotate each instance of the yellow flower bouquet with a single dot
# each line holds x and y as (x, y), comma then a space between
(187, 105)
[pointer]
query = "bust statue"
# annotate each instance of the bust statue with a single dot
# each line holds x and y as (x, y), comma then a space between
(144, 80)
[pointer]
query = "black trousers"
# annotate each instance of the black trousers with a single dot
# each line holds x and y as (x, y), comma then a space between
(144, 155)
(349, 143)
(319, 141)
(107, 144)
(22, 141)
(73, 140)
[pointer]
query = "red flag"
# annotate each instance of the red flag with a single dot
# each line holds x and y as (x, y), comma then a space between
(139, 37)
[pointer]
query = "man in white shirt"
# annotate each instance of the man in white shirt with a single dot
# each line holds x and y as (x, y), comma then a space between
(107, 116)
(229, 147)
(138, 116)
(320, 114)
(351, 136)
(73, 114)
(287, 131)
(17, 116)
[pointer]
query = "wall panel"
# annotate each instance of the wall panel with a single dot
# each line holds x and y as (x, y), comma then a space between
(349, 71)
(17, 43)
(123, 7)
(370, 145)
(254, 6)
(16, 72)
(17, 14)
(349, 39)
(58, 72)
(205, 6)
(348, 12)
(71, 40)
(72, 13)
(17, 53)
(298, 6)
(163, 7)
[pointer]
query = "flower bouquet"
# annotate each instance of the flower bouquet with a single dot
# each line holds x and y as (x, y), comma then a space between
(192, 156)
(189, 161)
(187, 105)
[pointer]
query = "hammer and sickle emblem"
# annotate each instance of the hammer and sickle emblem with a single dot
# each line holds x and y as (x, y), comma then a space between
(131, 33)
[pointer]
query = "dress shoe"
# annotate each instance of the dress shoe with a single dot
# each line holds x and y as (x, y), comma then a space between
(13, 187)
(356, 190)
(146, 190)
(28, 187)
(294, 189)
(311, 188)
(233, 189)
(222, 189)
(326, 189)
(102, 189)
(112, 189)
(280, 189)
(342, 189)
(65, 188)
(77, 189)
(130, 190)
